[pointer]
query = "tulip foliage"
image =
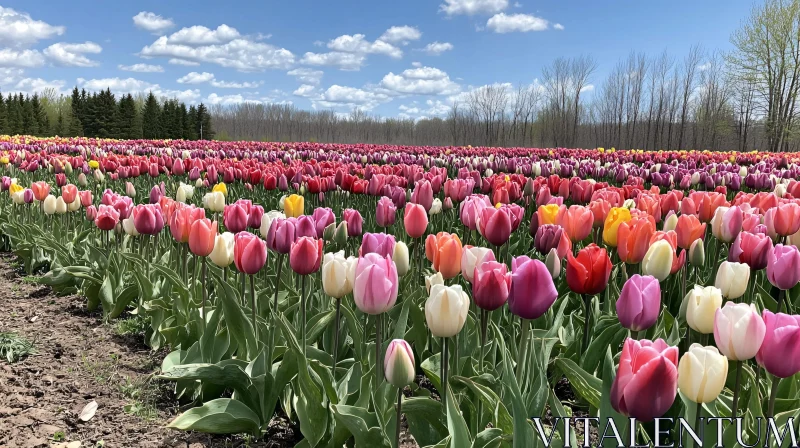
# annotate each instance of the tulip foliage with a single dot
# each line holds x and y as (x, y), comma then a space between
(467, 289)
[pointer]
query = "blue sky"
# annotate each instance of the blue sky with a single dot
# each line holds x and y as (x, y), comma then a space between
(406, 58)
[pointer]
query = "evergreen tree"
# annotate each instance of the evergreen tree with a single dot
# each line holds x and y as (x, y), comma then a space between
(3, 116)
(58, 129)
(14, 115)
(75, 125)
(183, 119)
(204, 130)
(30, 125)
(40, 116)
(151, 116)
(128, 125)
(191, 124)
(105, 113)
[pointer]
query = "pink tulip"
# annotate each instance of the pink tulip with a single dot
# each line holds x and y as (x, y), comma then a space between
(494, 225)
(783, 267)
(415, 220)
(647, 379)
(738, 330)
(147, 219)
(249, 253)
(491, 285)
(376, 284)
(532, 289)
(377, 243)
(281, 235)
(306, 255)
(639, 302)
(780, 351)
(354, 222)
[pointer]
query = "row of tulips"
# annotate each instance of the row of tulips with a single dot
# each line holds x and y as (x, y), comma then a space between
(527, 280)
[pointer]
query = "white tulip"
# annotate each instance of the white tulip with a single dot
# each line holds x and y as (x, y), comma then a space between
(222, 255)
(338, 274)
(732, 279)
(702, 304)
(266, 221)
(129, 228)
(701, 373)
(49, 205)
(400, 258)
(446, 310)
(214, 202)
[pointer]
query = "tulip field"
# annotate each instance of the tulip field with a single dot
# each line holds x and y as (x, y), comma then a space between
(466, 296)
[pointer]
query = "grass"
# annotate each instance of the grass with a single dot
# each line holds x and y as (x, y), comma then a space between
(102, 370)
(143, 394)
(135, 325)
(14, 347)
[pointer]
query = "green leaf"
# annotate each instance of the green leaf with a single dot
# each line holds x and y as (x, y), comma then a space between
(606, 410)
(426, 420)
(220, 416)
(455, 423)
(491, 401)
(362, 424)
(610, 337)
(709, 430)
(488, 438)
(586, 385)
(523, 431)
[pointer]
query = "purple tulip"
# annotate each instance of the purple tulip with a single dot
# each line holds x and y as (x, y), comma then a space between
(532, 289)
(639, 302)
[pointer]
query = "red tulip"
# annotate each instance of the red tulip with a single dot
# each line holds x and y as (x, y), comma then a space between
(588, 273)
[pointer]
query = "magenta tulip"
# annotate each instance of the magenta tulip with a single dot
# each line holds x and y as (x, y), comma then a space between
(783, 267)
(780, 351)
(377, 243)
(647, 379)
(639, 302)
(532, 289)
(491, 285)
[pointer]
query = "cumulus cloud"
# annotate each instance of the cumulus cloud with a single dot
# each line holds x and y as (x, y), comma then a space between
(73, 55)
(20, 58)
(437, 48)
(401, 34)
(152, 22)
(558, 26)
(141, 68)
(420, 81)
(37, 85)
(20, 29)
(509, 23)
(305, 90)
(349, 97)
(184, 62)
(472, 7)
(134, 86)
(357, 43)
(306, 75)
(205, 77)
(222, 47)
(196, 78)
(344, 61)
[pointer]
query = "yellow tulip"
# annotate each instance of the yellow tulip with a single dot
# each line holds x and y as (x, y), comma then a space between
(616, 216)
(14, 188)
(548, 214)
(293, 206)
(94, 164)
(221, 188)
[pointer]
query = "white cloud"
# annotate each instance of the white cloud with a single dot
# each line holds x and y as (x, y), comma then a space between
(437, 48)
(240, 53)
(306, 75)
(133, 86)
(205, 77)
(305, 90)
(435, 108)
(421, 81)
(704, 67)
(196, 78)
(357, 43)
(509, 23)
(416, 64)
(36, 85)
(352, 97)
(141, 68)
(225, 100)
(20, 58)
(345, 61)
(200, 35)
(587, 88)
(19, 29)
(152, 22)
(558, 26)
(184, 62)
(73, 55)
(401, 34)
(472, 7)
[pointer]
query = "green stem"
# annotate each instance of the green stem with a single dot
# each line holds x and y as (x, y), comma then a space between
(522, 353)
(698, 411)
(303, 310)
(205, 295)
(336, 336)
(252, 305)
(735, 406)
(377, 350)
(587, 307)
(781, 294)
(399, 415)
(773, 394)
(484, 325)
(445, 362)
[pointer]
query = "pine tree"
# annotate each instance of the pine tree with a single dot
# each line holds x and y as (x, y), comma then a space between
(204, 130)
(191, 124)
(40, 116)
(105, 112)
(14, 115)
(151, 115)
(183, 119)
(128, 126)
(58, 129)
(75, 125)
(30, 125)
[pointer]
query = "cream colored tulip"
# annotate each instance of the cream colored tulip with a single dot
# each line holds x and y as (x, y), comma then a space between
(658, 260)
(19, 198)
(184, 193)
(446, 310)
(222, 255)
(435, 279)
(61, 206)
(49, 205)
(75, 205)
(670, 223)
(266, 221)
(553, 263)
(436, 207)
(472, 256)
(338, 274)
(702, 304)
(400, 258)
(732, 279)
(99, 176)
(129, 228)
(701, 373)
(214, 202)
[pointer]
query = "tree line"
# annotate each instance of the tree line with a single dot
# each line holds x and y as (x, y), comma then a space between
(743, 99)
(102, 115)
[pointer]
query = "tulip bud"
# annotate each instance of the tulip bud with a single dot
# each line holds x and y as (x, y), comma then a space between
(702, 304)
(340, 236)
(129, 228)
(329, 232)
(400, 258)
(670, 223)
(629, 204)
(82, 180)
(436, 207)
(553, 263)
(446, 310)
(732, 279)
(61, 206)
(657, 261)
(398, 364)
(697, 253)
(376, 284)
(49, 205)
(701, 373)
(338, 274)
(739, 331)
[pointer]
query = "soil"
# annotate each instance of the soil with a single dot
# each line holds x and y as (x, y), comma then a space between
(79, 360)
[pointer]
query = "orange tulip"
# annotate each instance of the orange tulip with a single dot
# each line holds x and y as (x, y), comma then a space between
(708, 203)
(633, 239)
(444, 250)
(600, 209)
(577, 222)
(649, 204)
(40, 190)
(689, 230)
